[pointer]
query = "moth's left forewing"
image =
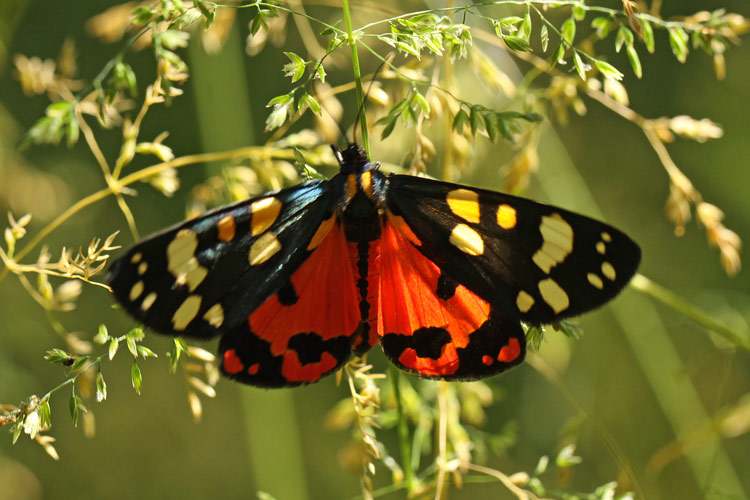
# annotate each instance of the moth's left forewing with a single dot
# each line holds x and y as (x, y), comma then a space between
(537, 262)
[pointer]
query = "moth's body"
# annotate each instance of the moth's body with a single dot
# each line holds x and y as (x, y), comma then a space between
(441, 274)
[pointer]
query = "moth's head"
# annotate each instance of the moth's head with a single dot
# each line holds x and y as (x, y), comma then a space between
(353, 159)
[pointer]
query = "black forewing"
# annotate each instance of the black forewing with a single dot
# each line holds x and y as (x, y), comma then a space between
(506, 267)
(230, 281)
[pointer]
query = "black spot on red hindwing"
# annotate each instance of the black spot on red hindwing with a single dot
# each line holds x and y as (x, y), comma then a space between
(427, 342)
(310, 347)
(287, 294)
(446, 287)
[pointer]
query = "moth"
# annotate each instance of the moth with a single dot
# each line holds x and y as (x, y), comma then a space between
(441, 275)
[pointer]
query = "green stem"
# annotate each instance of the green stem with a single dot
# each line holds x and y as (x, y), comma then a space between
(658, 292)
(357, 74)
(403, 429)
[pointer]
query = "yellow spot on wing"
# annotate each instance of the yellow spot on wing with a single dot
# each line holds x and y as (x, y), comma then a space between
(148, 301)
(142, 268)
(506, 216)
(366, 180)
(215, 315)
(136, 291)
(226, 228)
(601, 247)
(606, 237)
(264, 248)
(136, 258)
(553, 295)
(595, 280)
(557, 243)
(524, 301)
(265, 211)
(321, 232)
(465, 204)
(608, 271)
(186, 312)
(467, 240)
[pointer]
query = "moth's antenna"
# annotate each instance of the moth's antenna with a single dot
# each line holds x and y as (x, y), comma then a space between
(362, 106)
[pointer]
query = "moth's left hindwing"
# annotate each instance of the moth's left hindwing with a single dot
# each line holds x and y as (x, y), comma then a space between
(204, 277)
(536, 262)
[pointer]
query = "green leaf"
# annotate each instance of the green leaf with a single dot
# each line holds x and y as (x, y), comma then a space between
(57, 356)
(624, 37)
(73, 407)
(114, 344)
(142, 15)
(460, 121)
(296, 68)
(544, 36)
(45, 413)
(635, 61)
(602, 25)
(389, 123)
(568, 30)
(418, 99)
(174, 356)
(78, 363)
(517, 43)
(101, 387)
(17, 430)
(321, 72)
(608, 70)
(581, 67)
(476, 120)
(131, 346)
(174, 39)
(279, 100)
(678, 42)
(102, 336)
(648, 36)
(566, 457)
(557, 57)
(308, 101)
(525, 30)
(145, 352)
(136, 377)
(579, 12)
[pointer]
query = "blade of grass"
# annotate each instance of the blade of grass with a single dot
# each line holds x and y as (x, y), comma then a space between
(272, 435)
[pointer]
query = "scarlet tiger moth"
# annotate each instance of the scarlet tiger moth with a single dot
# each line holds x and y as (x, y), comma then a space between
(297, 280)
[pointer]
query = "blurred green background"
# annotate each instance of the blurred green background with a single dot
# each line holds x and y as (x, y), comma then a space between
(645, 373)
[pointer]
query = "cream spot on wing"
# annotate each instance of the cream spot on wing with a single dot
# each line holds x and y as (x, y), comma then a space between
(186, 312)
(601, 247)
(467, 240)
(524, 301)
(181, 261)
(554, 295)
(606, 237)
(506, 216)
(215, 315)
(226, 228)
(608, 271)
(136, 291)
(142, 268)
(595, 280)
(136, 258)
(465, 204)
(265, 211)
(148, 301)
(557, 236)
(264, 248)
